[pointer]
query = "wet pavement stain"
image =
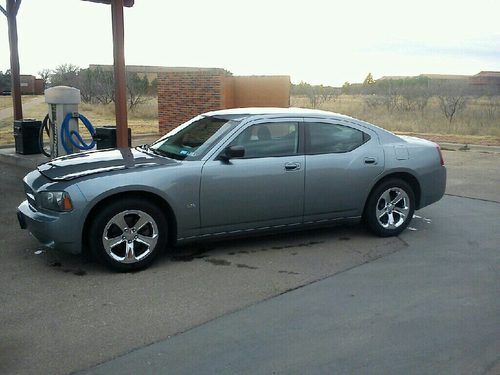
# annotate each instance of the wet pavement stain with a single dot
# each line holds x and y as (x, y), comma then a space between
(77, 272)
(304, 244)
(239, 265)
(282, 247)
(289, 272)
(80, 272)
(218, 262)
(188, 256)
(344, 238)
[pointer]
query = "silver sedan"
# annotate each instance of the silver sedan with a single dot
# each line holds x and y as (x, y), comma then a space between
(229, 173)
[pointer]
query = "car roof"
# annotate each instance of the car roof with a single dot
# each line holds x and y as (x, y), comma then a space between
(292, 111)
(384, 135)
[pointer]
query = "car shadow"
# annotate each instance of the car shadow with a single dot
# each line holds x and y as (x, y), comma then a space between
(217, 251)
(266, 242)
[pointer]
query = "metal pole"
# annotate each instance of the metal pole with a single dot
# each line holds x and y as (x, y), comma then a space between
(12, 9)
(119, 72)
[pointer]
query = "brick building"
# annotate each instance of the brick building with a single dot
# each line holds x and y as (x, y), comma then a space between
(30, 85)
(186, 92)
(487, 81)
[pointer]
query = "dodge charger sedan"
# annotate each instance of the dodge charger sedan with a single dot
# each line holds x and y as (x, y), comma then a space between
(229, 173)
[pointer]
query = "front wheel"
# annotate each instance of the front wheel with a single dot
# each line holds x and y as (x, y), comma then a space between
(128, 234)
(390, 208)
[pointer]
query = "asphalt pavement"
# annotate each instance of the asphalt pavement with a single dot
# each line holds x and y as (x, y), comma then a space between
(61, 313)
(431, 308)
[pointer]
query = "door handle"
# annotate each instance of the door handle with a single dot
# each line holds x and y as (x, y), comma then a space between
(370, 161)
(292, 166)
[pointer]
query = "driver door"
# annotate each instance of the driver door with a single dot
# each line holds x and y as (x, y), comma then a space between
(263, 188)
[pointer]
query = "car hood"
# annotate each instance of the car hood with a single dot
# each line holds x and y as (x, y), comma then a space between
(88, 163)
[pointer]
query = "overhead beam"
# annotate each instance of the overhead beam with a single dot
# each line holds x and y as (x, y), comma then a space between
(126, 3)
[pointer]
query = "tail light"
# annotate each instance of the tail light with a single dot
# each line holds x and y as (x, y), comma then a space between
(440, 155)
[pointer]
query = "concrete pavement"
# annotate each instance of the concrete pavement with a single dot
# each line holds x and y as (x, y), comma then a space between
(61, 313)
(432, 307)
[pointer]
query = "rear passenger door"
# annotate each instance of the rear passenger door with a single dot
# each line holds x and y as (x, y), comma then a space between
(342, 160)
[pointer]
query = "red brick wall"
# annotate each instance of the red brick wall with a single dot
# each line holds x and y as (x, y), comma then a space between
(183, 95)
(39, 86)
(27, 84)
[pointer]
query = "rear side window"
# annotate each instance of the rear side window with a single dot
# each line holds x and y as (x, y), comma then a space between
(326, 138)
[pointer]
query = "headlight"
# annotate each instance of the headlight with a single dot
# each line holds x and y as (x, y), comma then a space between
(55, 200)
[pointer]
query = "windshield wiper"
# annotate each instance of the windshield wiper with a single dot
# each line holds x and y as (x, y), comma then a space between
(145, 146)
(158, 151)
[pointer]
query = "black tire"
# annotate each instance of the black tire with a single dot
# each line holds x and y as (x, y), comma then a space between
(126, 248)
(377, 205)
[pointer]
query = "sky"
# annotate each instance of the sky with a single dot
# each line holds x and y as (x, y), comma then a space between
(320, 42)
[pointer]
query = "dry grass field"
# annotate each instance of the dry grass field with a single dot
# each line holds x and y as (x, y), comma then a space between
(143, 120)
(5, 102)
(477, 123)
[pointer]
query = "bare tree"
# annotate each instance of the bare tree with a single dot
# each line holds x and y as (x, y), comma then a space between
(10, 11)
(327, 93)
(96, 85)
(421, 102)
(451, 105)
(45, 76)
(452, 99)
(491, 109)
(137, 89)
(87, 85)
(5, 80)
(374, 101)
(65, 75)
(105, 83)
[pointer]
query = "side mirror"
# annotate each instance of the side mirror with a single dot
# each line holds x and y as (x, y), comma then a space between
(232, 152)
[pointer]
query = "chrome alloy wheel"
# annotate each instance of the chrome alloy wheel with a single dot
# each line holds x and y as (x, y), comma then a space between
(130, 236)
(393, 208)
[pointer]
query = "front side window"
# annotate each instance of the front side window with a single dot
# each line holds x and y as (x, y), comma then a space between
(193, 139)
(269, 139)
(332, 138)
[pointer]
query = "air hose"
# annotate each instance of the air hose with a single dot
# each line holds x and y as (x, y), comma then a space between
(44, 128)
(66, 134)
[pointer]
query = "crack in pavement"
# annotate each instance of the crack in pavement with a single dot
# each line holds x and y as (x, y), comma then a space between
(473, 198)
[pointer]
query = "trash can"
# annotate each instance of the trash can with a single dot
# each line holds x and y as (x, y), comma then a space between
(26, 133)
(105, 137)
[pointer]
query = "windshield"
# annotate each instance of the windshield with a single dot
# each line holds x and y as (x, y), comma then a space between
(194, 138)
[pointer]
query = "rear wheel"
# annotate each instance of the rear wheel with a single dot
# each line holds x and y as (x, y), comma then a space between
(390, 208)
(128, 234)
